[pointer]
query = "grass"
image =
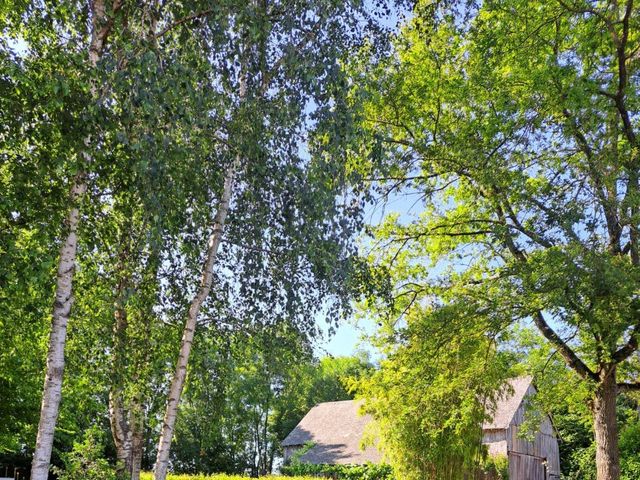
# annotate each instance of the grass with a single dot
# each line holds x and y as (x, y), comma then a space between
(149, 476)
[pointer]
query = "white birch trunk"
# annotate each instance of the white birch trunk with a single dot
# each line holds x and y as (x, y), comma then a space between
(52, 391)
(55, 356)
(118, 419)
(177, 383)
(137, 436)
(121, 433)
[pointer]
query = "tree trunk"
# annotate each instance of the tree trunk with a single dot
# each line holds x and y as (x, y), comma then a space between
(177, 383)
(121, 433)
(118, 416)
(52, 391)
(127, 427)
(605, 426)
(137, 438)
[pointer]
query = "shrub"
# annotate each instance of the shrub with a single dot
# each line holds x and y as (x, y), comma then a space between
(496, 467)
(220, 476)
(85, 461)
(347, 472)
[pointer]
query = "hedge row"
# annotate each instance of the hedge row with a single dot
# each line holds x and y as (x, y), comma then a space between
(341, 472)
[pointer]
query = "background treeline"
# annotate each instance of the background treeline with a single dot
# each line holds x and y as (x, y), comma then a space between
(246, 392)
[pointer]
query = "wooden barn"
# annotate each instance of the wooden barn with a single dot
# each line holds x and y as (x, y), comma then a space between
(336, 429)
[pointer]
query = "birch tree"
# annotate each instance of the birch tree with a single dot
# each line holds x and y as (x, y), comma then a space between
(162, 117)
(103, 18)
(286, 55)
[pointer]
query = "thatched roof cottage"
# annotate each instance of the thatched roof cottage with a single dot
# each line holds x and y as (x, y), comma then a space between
(336, 429)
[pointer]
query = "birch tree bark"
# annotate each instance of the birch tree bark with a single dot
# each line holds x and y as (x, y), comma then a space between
(52, 391)
(55, 355)
(179, 376)
(137, 437)
(120, 428)
(126, 413)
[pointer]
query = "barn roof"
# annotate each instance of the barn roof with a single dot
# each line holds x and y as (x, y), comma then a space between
(509, 402)
(336, 428)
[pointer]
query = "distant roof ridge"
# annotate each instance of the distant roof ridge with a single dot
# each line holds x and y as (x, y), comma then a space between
(341, 401)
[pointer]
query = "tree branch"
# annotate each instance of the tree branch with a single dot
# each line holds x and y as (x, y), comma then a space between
(186, 19)
(565, 350)
(631, 346)
(628, 387)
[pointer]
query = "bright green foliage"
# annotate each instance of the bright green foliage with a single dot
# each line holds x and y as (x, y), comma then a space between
(435, 389)
(149, 476)
(342, 472)
(496, 467)
(515, 133)
(369, 471)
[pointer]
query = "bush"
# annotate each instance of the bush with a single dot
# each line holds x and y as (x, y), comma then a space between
(347, 472)
(496, 467)
(85, 461)
(629, 448)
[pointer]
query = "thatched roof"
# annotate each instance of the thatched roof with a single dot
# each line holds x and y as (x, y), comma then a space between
(508, 404)
(336, 428)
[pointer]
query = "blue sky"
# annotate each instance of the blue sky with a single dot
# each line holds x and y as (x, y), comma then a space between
(348, 338)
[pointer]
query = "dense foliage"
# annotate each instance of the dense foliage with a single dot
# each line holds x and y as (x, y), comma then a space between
(342, 472)
(127, 128)
(183, 187)
(507, 131)
(434, 391)
(149, 476)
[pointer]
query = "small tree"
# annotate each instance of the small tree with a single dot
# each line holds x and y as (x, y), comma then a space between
(86, 461)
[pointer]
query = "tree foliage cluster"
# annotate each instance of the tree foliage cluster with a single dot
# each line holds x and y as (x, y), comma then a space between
(159, 174)
(346, 472)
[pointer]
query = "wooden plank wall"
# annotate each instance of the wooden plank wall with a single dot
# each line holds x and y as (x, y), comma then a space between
(544, 446)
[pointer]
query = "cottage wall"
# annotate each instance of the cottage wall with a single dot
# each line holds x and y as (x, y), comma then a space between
(290, 450)
(496, 441)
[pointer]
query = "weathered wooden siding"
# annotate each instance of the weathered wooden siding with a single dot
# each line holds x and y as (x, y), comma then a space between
(542, 450)
(496, 441)
(526, 467)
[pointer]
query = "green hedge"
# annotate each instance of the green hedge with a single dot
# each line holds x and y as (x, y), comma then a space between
(347, 472)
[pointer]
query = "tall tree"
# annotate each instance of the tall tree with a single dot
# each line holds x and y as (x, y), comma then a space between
(103, 18)
(285, 63)
(162, 138)
(517, 132)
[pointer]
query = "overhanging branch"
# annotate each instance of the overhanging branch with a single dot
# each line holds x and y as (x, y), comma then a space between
(631, 346)
(186, 19)
(565, 350)
(628, 387)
